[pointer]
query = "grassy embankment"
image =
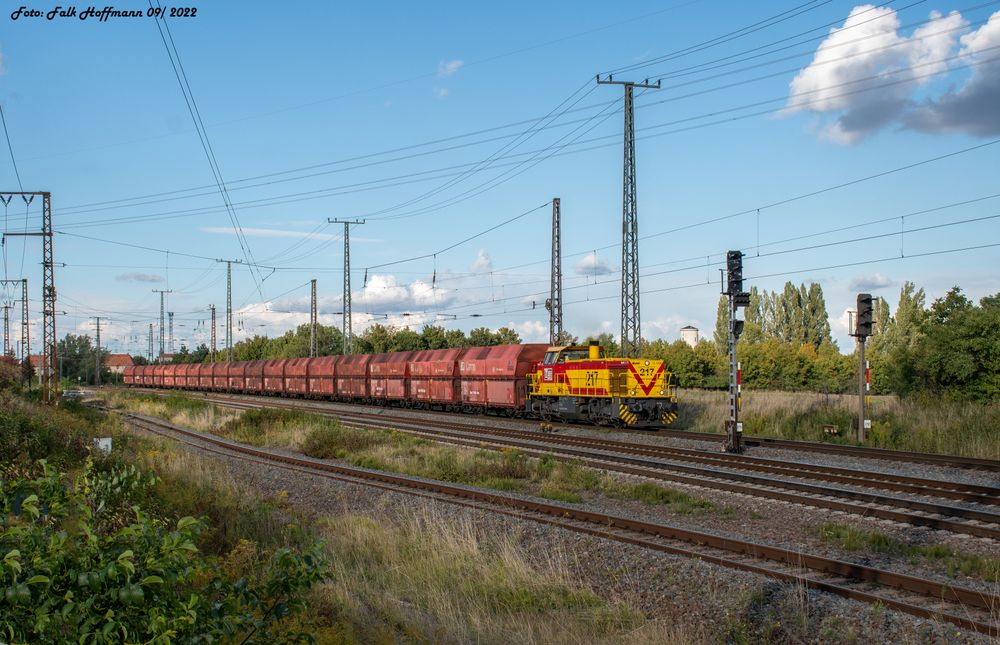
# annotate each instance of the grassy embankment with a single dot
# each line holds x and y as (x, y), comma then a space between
(939, 426)
(380, 449)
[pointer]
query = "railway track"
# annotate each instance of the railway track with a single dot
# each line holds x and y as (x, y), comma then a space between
(866, 452)
(782, 481)
(929, 599)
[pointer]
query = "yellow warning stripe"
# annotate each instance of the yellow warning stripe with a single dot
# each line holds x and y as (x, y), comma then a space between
(627, 415)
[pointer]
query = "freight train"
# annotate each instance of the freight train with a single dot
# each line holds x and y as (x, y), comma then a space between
(571, 383)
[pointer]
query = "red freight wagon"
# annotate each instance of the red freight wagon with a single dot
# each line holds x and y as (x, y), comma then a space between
(180, 376)
(153, 375)
(220, 376)
(204, 375)
(352, 376)
(254, 376)
(388, 375)
(297, 376)
(133, 375)
(320, 381)
(274, 375)
(235, 379)
(127, 374)
(434, 376)
(167, 375)
(191, 376)
(496, 377)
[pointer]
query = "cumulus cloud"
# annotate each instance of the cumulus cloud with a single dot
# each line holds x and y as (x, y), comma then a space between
(973, 108)
(384, 292)
(870, 282)
(482, 263)
(590, 264)
(531, 331)
(139, 277)
(865, 74)
(448, 68)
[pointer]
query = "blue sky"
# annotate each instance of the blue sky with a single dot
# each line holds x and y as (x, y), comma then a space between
(330, 106)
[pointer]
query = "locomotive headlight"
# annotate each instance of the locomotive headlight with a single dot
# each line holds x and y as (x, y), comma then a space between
(646, 363)
(632, 392)
(662, 392)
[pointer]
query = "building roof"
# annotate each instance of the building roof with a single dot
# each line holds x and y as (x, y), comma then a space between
(689, 328)
(118, 360)
(36, 360)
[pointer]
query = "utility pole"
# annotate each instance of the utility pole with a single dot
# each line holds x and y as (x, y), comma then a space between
(97, 354)
(862, 331)
(6, 328)
(347, 279)
(554, 303)
(150, 354)
(737, 298)
(212, 307)
(50, 384)
(312, 319)
(631, 333)
(23, 283)
(229, 307)
(162, 292)
(170, 336)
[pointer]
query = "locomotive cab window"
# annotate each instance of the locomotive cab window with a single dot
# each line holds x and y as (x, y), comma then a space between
(550, 358)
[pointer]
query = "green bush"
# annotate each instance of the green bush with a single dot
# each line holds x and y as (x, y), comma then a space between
(77, 566)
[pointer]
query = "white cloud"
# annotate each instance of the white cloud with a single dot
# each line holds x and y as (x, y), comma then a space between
(866, 73)
(591, 265)
(139, 277)
(448, 68)
(971, 109)
(870, 282)
(440, 92)
(483, 262)
(531, 331)
(273, 232)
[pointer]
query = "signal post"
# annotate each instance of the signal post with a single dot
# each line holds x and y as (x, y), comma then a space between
(862, 330)
(737, 298)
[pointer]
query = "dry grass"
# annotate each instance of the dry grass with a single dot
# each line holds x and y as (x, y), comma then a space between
(419, 577)
(938, 426)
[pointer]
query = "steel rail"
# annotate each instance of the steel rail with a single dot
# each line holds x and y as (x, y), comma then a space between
(868, 504)
(849, 580)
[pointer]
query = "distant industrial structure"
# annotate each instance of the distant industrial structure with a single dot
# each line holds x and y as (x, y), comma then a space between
(690, 335)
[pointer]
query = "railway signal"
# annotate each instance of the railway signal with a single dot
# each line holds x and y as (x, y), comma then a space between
(737, 298)
(862, 330)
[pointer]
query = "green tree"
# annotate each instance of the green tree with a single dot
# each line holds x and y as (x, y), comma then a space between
(434, 337)
(607, 341)
(721, 335)
(481, 337)
(456, 338)
(407, 340)
(958, 352)
(77, 359)
(817, 321)
(506, 336)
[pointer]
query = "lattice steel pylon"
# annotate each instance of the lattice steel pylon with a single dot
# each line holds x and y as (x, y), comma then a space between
(312, 319)
(631, 333)
(162, 292)
(50, 381)
(347, 329)
(150, 354)
(6, 328)
(554, 305)
(25, 323)
(212, 307)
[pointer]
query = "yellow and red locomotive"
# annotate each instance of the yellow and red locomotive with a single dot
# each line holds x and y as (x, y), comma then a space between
(579, 383)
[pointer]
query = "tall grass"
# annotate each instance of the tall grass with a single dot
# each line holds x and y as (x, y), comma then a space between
(926, 425)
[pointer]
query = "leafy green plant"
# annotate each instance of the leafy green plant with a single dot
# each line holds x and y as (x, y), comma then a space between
(80, 561)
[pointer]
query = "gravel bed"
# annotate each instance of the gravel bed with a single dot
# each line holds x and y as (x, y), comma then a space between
(660, 585)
